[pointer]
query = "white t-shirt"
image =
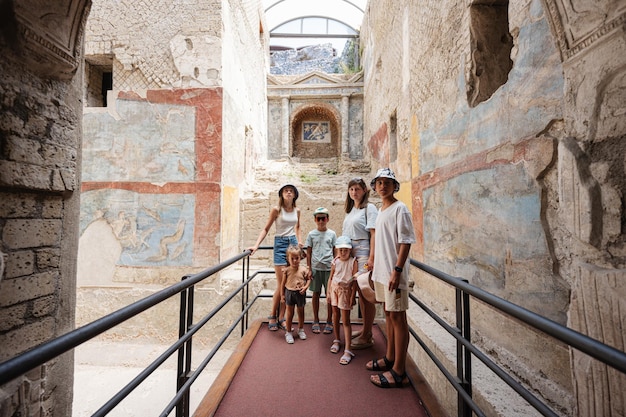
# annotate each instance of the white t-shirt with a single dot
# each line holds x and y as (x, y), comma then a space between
(354, 224)
(393, 227)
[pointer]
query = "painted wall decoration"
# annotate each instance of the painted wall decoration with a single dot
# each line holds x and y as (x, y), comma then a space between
(142, 143)
(152, 229)
(318, 132)
(151, 171)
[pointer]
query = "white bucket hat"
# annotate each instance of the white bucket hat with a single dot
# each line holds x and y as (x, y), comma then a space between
(385, 173)
(320, 210)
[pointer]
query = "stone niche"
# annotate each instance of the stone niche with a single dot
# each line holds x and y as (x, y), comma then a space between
(315, 116)
(315, 132)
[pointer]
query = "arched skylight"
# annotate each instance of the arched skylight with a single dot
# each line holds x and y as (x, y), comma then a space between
(297, 23)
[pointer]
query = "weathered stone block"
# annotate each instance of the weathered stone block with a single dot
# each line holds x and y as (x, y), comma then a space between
(18, 205)
(52, 208)
(20, 263)
(44, 306)
(47, 258)
(12, 317)
(26, 337)
(24, 150)
(29, 176)
(22, 233)
(17, 290)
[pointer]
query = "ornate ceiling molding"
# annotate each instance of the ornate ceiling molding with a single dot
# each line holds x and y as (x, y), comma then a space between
(580, 24)
(49, 34)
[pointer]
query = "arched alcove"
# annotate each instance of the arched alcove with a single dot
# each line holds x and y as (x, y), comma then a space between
(315, 131)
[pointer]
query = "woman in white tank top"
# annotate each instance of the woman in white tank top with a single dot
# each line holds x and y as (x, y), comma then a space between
(287, 218)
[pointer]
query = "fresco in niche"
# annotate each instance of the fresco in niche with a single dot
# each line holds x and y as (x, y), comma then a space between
(318, 132)
(153, 229)
(144, 142)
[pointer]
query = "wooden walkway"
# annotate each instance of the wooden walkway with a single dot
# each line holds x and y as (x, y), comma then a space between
(265, 376)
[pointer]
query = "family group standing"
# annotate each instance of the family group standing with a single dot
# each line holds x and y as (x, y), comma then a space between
(373, 241)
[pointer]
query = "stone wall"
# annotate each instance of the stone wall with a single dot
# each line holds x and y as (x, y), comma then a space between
(511, 187)
(586, 204)
(157, 43)
(245, 59)
(40, 161)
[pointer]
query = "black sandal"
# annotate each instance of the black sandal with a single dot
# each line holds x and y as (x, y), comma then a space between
(376, 367)
(399, 381)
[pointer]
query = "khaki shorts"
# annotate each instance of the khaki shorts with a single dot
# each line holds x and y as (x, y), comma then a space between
(397, 300)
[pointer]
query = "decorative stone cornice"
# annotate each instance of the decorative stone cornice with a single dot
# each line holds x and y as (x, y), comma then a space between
(49, 35)
(577, 28)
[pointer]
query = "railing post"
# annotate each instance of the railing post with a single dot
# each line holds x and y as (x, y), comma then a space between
(245, 270)
(184, 352)
(463, 355)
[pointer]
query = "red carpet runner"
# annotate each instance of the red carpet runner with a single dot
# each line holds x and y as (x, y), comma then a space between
(273, 378)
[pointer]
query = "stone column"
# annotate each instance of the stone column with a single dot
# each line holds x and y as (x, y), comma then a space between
(40, 165)
(286, 129)
(345, 125)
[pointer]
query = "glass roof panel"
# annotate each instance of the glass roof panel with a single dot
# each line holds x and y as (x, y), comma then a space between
(319, 17)
(316, 25)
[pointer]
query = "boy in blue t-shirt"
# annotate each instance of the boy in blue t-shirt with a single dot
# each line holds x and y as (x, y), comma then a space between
(320, 246)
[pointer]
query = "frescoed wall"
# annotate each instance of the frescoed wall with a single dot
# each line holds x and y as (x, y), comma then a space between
(152, 173)
(505, 118)
(475, 172)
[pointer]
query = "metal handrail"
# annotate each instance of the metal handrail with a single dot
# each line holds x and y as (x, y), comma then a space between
(37, 356)
(462, 383)
(41, 354)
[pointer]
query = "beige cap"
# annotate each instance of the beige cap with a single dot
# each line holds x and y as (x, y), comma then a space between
(365, 284)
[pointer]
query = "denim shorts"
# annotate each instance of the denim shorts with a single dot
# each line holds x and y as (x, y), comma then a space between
(280, 248)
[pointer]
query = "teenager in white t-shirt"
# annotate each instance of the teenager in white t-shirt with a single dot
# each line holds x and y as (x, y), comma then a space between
(394, 236)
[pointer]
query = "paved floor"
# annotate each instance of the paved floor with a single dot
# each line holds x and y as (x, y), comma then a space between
(103, 368)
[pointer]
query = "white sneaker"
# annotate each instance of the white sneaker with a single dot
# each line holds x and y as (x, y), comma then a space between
(289, 337)
(301, 334)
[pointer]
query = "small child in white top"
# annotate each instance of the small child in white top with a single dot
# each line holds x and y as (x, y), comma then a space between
(342, 292)
(293, 293)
